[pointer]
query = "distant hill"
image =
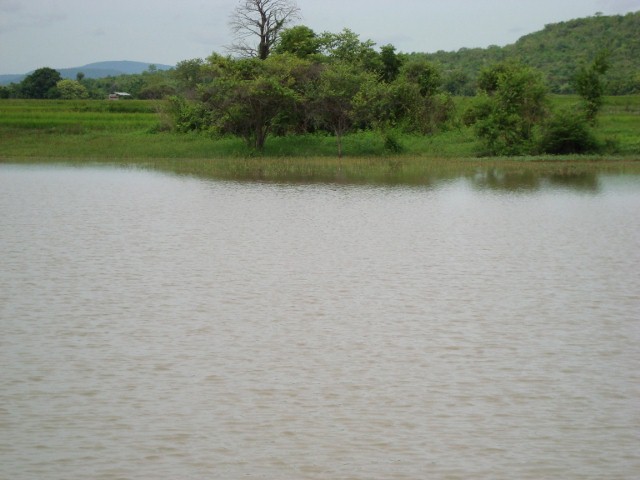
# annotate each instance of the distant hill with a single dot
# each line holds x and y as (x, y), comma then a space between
(95, 70)
(558, 51)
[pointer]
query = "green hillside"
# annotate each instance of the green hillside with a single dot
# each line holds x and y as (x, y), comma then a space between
(558, 51)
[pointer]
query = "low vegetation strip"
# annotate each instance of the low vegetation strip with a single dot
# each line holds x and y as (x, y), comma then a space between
(129, 132)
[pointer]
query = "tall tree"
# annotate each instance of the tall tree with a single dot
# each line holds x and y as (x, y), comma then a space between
(250, 98)
(424, 74)
(299, 40)
(346, 46)
(189, 73)
(41, 83)
(257, 25)
(589, 85)
(391, 63)
(333, 98)
(512, 102)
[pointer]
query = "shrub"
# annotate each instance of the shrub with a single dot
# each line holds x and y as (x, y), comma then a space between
(568, 132)
(392, 143)
(188, 116)
(511, 106)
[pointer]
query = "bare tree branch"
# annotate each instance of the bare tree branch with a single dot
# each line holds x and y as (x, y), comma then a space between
(262, 20)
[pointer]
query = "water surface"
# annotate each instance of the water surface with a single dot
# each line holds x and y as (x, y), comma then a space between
(156, 326)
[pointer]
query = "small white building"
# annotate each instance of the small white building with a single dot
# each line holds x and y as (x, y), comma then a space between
(119, 95)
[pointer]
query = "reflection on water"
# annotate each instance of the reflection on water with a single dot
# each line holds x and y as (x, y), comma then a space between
(496, 179)
(156, 326)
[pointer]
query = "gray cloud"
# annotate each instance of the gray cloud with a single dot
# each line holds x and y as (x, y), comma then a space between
(619, 6)
(74, 32)
(10, 6)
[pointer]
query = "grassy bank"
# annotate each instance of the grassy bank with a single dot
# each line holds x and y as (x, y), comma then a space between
(129, 132)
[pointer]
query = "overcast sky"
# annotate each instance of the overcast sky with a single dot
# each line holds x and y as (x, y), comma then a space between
(71, 33)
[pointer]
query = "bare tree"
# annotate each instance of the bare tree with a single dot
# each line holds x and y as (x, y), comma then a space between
(261, 20)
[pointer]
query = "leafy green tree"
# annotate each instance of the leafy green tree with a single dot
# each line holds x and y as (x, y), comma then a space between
(261, 20)
(40, 84)
(489, 78)
(458, 82)
(375, 104)
(188, 116)
(391, 63)
(426, 107)
(347, 47)
(512, 103)
(188, 74)
(590, 86)
(299, 40)
(71, 90)
(156, 91)
(384, 107)
(398, 105)
(251, 98)
(424, 74)
(333, 98)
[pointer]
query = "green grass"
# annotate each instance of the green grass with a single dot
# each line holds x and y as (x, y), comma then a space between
(130, 132)
(76, 116)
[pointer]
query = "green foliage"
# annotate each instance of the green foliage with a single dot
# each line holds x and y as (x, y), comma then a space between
(457, 82)
(589, 85)
(347, 47)
(100, 130)
(558, 51)
(253, 98)
(347, 86)
(188, 116)
(40, 84)
(300, 41)
(391, 63)
(189, 72)
(332, 99)
(512, 103)
(567, 132)
(424, 74)
(152, 84)
(409, 103)
(376, 104)
(392, 142)
(71, 90)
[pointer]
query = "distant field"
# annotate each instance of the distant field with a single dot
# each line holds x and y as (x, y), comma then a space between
(131, 131)
(77, 116)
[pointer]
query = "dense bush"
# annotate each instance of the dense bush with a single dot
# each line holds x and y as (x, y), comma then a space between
(567, 132)
(512, 104)
(187, 116)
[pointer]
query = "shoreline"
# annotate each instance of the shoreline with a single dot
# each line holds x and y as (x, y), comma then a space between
(400, 170)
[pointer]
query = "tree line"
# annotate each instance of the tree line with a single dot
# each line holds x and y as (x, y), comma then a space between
(47, 83)
(290, 80)
(333, 83)
(295, 81)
